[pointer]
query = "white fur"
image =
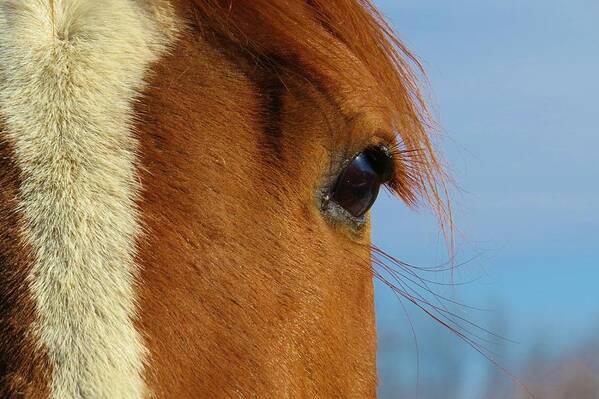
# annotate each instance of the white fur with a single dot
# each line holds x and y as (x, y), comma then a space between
(69, 73)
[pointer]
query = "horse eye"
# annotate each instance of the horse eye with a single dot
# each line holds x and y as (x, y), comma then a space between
(358, 184)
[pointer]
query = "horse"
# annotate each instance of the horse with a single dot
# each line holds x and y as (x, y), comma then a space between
(185, 194)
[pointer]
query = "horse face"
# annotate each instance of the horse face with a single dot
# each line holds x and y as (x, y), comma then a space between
(260, 287)
(184, 193)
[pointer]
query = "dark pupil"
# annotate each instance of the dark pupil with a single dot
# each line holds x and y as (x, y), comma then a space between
(357, 186)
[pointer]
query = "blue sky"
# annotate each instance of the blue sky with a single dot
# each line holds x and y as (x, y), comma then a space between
(514, 86)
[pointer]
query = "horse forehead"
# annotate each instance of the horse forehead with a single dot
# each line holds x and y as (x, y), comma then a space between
(347, 83)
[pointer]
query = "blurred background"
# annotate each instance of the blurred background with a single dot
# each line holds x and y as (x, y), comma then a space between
(514, 87)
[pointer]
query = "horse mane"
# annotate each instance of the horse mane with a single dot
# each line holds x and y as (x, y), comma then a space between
(272, 30)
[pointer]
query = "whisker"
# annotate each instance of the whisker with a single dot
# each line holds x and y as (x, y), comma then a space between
(405, 282)
(438, 297)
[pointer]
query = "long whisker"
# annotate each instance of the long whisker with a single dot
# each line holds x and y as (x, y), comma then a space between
(405, 283)
(438, 297)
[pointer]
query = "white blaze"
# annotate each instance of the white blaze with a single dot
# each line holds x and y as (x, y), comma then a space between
(70, 71)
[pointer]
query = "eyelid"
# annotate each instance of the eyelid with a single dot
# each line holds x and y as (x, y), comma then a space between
(382, 158)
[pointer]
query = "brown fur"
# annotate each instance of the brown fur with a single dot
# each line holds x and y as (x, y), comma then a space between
(23, 366)
(246, 289)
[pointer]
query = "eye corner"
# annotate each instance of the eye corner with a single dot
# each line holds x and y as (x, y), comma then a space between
(337, 215)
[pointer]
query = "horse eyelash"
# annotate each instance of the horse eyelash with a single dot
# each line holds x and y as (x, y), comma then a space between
(403, 182)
